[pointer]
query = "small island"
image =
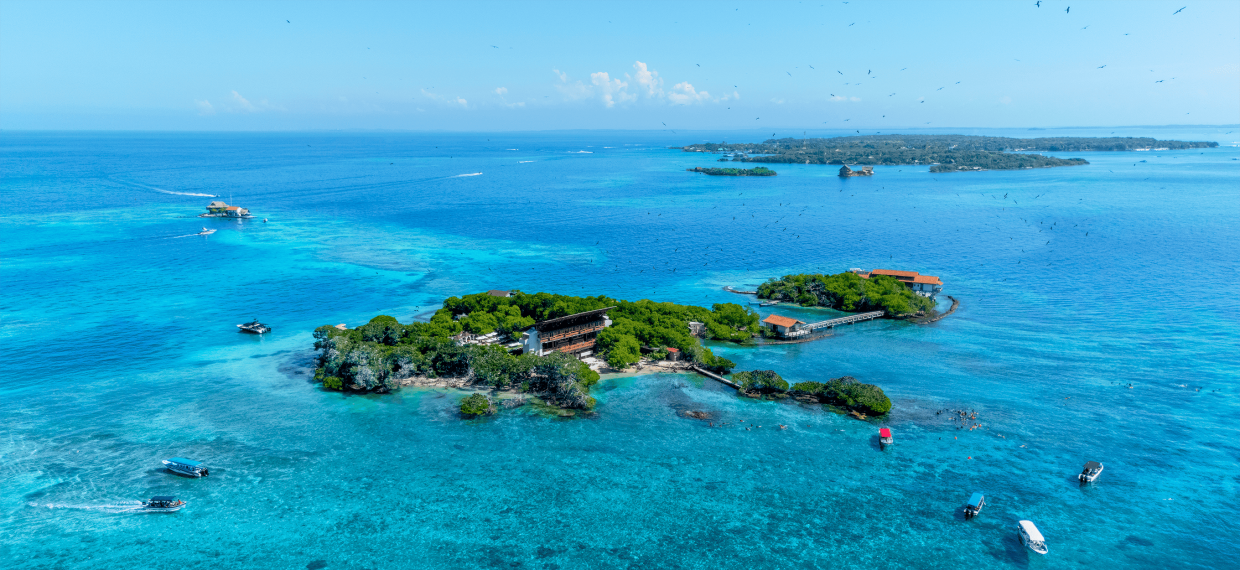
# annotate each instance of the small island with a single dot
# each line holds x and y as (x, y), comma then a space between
(853, 292)
(548, 347)
(943, 153)
(845, 392)
(759, 171)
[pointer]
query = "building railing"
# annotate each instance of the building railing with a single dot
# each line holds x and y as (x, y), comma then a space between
(571, 332)
(575, 347)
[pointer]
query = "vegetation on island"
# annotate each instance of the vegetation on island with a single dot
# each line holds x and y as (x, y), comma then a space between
(477, 405)
(945, 153)
(380, 355)
(845, 392)
(847, 292)
(759, 171)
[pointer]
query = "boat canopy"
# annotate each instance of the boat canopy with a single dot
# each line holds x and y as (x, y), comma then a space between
(975, 500)
(184, 461)
(1032, 531)
(884, 432)
(1091, 465)
(163, 499)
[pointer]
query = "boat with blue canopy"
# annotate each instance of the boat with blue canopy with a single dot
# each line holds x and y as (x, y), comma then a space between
(187, 467)
(1091, 471)
(976, 502)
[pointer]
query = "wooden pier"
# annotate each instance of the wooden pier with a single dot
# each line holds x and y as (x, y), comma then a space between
(850, 319)
(717, 377)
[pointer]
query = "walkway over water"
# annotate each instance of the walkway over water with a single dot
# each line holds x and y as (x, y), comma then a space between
(850, 319)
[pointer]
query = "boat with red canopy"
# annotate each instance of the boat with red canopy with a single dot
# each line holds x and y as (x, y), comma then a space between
(884, 436)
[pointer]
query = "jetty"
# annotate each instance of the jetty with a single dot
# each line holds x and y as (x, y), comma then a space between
(850, 319)
(716, 377)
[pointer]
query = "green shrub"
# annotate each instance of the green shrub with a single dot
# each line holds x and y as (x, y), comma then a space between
(476, 405)
(766, 381)
(333, 383)
(848, 392)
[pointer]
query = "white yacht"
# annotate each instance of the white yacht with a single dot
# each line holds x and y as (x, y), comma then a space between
(1092, 470)
(1029, 536)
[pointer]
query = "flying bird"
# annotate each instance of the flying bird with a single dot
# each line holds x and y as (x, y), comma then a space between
(698, 64)
(291, 22)
(789, 73)
(1070, 8)
(496, 47)
(1178, 11)
(839, 72)
(1038, 4)
(1101, 66)
(811, 67)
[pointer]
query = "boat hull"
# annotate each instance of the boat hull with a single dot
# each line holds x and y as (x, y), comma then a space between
(146, 509)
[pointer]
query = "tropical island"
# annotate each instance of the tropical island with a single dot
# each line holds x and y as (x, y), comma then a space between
(849, 292)
(478, 340)
(943, 153)
(844, 392)
(759, 171)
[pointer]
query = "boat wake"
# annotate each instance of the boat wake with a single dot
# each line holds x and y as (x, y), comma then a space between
(122, 507)
(183, 193)
(582, 152)
(523, 161)
(464, 175)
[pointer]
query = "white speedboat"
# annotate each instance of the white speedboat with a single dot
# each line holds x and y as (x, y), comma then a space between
(186, 467)
(254, 327)
(1092, 470)
(206, 232)
(1029, 536)
(163, 504)
(976, 502)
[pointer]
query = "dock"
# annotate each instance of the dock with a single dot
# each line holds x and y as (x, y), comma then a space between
(850, 319)
(716, 377)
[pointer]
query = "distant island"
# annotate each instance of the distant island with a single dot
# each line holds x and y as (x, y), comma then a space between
(759, 171)
(943, 153)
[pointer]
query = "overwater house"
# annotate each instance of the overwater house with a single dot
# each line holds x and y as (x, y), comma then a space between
(573, 334)
(216, 207)
(924, 285)
(785, 327)
(236, 212)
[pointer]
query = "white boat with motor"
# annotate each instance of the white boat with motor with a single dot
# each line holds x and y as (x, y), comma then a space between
(1029, 536)
(976, 502)
(186, 467)
(254, 327)
(163, 504)
(1092, 470)
(206, 232)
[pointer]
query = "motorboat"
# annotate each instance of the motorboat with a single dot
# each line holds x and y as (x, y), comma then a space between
(186, 467)
(163, 504)
(976, 502)
(206, 232)
(254, 327)
(884, 436)
(1091, 471)
(1029, 536)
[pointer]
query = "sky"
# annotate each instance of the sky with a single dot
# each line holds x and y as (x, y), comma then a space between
(502, 66)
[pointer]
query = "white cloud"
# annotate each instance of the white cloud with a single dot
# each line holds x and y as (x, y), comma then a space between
(245, 104)
(204, 107)
(683, 93)
(610, 89)
(777, 101)
(647, 79)
(563, 76)
(854, 99)
(501, 91)
(450, 101)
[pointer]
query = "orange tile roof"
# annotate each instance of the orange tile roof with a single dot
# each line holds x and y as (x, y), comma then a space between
(780, 321)
(927, 279)
(893, 273)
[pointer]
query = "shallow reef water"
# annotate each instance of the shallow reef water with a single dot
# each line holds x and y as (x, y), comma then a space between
(1098, 321)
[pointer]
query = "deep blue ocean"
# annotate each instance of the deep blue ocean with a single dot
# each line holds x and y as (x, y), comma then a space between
(1099, 320)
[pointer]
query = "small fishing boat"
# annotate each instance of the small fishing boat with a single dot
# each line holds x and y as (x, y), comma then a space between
(1029, 536)
(187, 467)
(884, 436)
(1092, 470)
(976, 502)
(163, 504)
(254, 327)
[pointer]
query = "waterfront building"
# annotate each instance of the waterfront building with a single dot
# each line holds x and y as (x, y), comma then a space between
(924, 285)
(574, 334)
(499, 293)
(785, 327)
(216, 207)
(845, 171)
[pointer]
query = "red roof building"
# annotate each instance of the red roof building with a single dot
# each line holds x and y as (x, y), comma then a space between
(924, 285)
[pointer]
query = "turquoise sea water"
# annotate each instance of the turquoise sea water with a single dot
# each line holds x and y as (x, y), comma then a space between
(121, 350)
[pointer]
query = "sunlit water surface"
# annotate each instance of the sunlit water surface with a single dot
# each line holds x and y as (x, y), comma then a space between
(1075, 283)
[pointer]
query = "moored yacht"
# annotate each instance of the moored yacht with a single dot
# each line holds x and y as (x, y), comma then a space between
(1029, 536)
(163, 504)
(976, 502)
(254, 327)
(187, 467)
(1091, 471)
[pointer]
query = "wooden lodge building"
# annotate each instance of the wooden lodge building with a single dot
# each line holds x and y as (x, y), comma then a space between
(574, 334)
(785, 327)
(924, 285)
